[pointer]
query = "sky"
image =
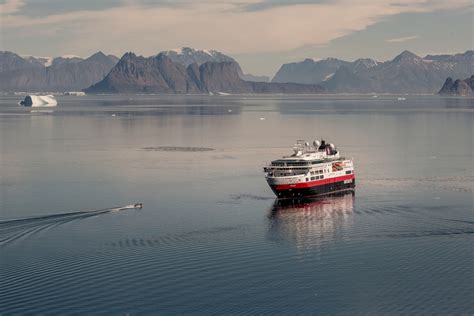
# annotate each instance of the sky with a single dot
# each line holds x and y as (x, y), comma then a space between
(260, 34)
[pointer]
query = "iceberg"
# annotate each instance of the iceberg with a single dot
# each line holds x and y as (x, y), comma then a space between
(38, 101)
(76, 93)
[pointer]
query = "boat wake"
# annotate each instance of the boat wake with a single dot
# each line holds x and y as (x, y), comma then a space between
(21, 228)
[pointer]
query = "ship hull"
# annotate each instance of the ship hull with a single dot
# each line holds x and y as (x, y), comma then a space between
(313, 190)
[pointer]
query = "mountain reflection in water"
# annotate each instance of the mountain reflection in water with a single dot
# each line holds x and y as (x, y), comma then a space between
(309, 223)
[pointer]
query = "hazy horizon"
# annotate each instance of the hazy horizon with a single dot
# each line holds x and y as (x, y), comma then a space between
(260, 34)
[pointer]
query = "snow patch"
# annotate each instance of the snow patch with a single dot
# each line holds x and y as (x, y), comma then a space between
(46, 61)
(328, 77)
(70, 56)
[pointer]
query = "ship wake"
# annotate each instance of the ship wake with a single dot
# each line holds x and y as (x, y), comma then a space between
(21, 228)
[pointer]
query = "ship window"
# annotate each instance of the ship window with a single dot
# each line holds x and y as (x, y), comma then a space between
(322, 177)
(313, 178)
(348, 172)
(307, 180)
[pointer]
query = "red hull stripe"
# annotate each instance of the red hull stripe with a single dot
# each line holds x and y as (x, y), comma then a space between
(316, 183)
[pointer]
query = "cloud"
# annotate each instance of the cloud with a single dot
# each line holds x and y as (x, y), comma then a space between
(221, 25)
(11, 6)
(401, 39)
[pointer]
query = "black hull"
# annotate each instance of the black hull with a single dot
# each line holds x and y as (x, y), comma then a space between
(314, 191)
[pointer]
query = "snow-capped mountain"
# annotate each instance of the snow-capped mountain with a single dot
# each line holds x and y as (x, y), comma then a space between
(187, 56)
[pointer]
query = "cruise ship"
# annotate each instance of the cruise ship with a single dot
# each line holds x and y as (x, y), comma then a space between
(312, 170)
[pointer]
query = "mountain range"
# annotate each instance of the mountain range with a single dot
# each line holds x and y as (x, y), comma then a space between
(160, 74)
(406, 73)
(189, 70)
(42, 74)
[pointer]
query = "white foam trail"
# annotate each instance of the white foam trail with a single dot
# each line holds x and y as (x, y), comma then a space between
(14, 229)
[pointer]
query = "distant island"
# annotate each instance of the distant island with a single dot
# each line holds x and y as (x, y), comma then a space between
(192, 71)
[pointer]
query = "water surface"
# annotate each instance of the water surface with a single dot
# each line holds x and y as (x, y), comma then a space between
(211, 238)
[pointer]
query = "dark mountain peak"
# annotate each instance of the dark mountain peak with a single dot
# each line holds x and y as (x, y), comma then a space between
(98, 57)
(309, 61)
(458, 87)
(332, 59)
(406, 56)
(128, 55)
(99, 53)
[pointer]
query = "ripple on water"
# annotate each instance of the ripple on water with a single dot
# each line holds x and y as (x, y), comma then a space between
(307, 258)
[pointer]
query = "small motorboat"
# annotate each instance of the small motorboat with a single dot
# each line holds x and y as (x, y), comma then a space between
(138, 205)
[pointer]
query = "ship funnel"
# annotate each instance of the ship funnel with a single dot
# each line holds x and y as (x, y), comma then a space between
(316, 144)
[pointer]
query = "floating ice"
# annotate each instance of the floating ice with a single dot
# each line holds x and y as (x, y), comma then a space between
(39, 100)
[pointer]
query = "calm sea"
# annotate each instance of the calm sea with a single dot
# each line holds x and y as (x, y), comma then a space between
(211, 239)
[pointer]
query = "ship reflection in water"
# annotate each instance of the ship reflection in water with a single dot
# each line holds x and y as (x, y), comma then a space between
(309, 223)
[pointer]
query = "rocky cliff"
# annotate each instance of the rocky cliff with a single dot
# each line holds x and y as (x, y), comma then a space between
(458, 87)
